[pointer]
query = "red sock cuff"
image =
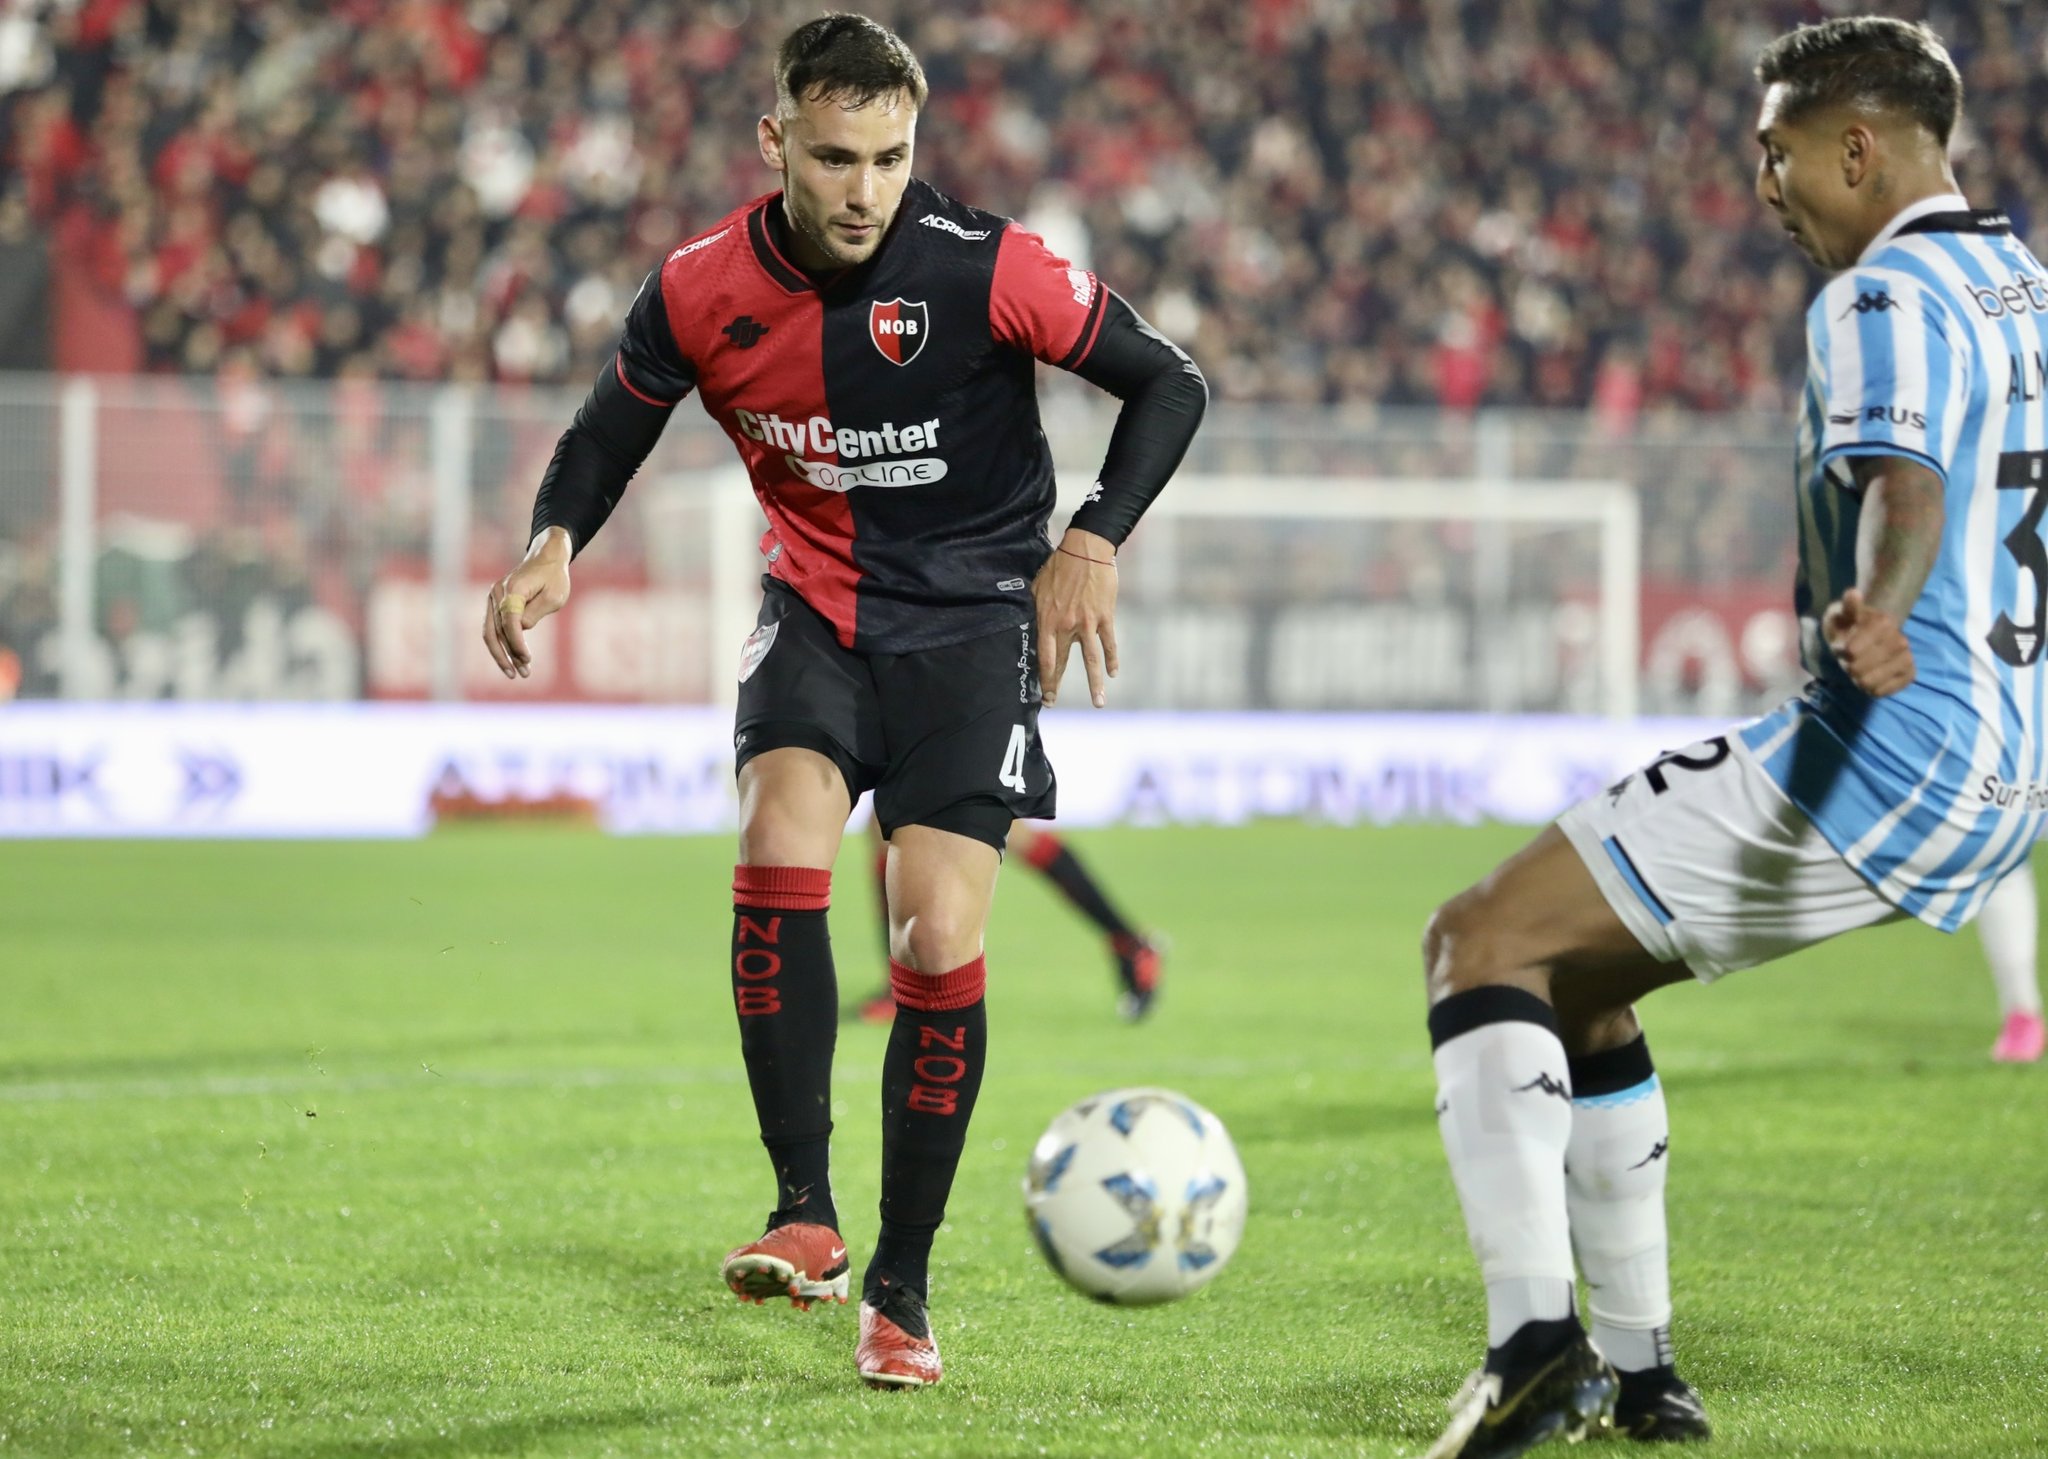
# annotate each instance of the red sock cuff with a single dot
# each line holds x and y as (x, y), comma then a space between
(1044, 851)
(948, 991)
(782, 888)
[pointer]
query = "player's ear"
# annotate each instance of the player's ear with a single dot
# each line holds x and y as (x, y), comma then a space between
(769, 131)
(1859, 153)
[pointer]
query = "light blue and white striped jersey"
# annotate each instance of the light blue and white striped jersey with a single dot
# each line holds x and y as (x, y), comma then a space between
(1933, 347)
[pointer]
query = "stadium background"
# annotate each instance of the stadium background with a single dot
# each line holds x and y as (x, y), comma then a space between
(1490, 241)
(424, 1147)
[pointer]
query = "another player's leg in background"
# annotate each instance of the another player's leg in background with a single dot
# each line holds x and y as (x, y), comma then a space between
(793, 809)
(1529, 973)
(2009, 926)
(1135, 958)
(940, 886)
(880, 1005)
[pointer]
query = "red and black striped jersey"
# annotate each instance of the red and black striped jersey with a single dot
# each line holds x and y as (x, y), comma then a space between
(886, 414)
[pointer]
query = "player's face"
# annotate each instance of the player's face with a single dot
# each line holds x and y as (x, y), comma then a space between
(1800, 179)
(843, 174)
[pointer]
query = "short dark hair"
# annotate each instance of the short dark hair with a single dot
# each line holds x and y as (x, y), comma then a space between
(1867, 60)
(845, 58)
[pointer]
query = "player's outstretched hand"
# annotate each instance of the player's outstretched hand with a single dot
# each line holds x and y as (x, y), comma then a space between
(1869, 644)
(524, 596)
(1075, 593)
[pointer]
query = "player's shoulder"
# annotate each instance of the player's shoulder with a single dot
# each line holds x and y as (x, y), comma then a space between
(948, 224)
(714, 247)
(1893, 283)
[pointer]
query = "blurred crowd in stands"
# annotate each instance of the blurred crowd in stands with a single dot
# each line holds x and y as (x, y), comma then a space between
(1459, 203)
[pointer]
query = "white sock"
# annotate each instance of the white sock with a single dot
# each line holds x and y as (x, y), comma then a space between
(2008, 925)
(1615, 1169)
(1504, 1110)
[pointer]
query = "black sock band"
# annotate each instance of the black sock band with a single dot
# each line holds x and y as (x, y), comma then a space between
(1612, 1070)
(1477, 1007)
(787, 999)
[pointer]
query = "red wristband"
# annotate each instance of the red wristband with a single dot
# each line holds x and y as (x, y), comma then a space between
(1098, 561)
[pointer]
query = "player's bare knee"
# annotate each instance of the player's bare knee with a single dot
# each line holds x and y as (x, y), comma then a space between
(1454, 946)
(774, 834)
(935, 940)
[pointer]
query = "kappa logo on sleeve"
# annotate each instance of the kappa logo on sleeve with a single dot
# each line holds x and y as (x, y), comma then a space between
(1870, 303)
(899, 328)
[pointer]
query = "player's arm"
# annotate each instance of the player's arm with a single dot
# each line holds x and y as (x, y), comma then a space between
(1163, 396)
(1898, 538)
(610, 437)
(1066, 317)
(1895, 399)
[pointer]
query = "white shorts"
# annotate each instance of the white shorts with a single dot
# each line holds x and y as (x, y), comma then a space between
(1704, 859)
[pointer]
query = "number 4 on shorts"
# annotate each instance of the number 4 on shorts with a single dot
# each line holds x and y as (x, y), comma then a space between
(1012, 773)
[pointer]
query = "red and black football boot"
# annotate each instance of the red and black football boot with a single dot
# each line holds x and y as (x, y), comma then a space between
(802, 1261)
(898, 1350)
(1137, 972)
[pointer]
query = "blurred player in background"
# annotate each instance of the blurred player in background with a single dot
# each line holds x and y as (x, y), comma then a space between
(1907, 778)
(2009, 927)
(870, 347)
(1133, 956)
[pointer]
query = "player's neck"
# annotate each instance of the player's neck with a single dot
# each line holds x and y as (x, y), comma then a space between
(795, 247)
(1909, 192)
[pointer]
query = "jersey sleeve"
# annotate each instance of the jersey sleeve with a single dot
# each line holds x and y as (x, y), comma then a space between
(1891, 364)
(650, 364)
(1041, 303)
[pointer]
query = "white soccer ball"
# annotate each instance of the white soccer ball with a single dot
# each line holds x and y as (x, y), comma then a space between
(1136, 1196)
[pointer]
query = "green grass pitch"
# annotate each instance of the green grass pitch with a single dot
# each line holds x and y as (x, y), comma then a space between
(432, 1149)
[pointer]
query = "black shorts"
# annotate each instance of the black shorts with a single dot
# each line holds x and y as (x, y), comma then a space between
(945, 737)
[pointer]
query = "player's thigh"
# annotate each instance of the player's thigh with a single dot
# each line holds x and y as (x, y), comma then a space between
(806, 736)
(793, 808)
(940, 885)
(1709, 864)
(1537, 915)
(962, 727)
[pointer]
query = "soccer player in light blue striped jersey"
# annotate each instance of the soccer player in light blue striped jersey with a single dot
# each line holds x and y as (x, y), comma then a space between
(1906, 780)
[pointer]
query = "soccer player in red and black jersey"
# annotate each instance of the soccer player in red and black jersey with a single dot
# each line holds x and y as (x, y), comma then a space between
(869, 345)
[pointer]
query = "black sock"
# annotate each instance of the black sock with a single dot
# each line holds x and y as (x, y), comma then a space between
(788, 1004)
(1533, 1344)
(1050, 855)
(930, 1076)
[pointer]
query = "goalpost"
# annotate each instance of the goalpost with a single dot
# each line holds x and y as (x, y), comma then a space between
(1608, 509)
(1492, 509)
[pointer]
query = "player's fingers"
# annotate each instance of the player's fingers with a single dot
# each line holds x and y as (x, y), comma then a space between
(1091, 659)
(1898, 670)
(515, 642)
(512, 608)
(491, 639)
(1108, 630)
(1876, 668)
(1048, 660)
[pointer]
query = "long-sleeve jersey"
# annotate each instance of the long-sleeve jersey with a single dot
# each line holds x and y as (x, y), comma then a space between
(886, 414)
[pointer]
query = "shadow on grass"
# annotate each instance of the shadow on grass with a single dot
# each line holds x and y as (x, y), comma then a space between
(1309, 1119)
(675, 1300)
